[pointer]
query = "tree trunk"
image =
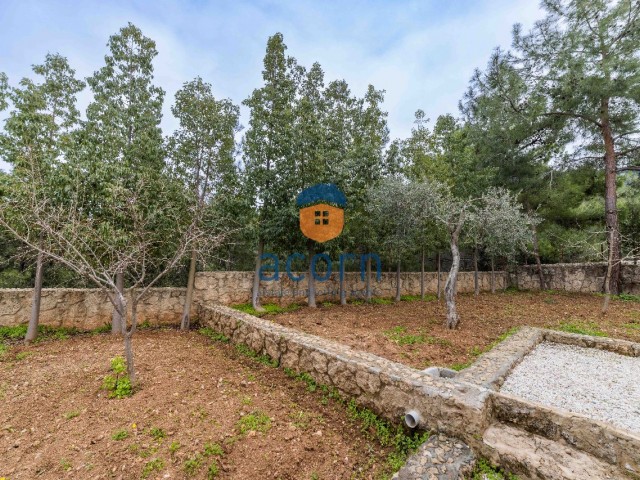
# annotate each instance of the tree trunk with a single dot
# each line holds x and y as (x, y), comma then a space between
(450, 287)
(476, 284)
(422, 276)
(255, 292)
(398, 296)
(611, 202)
(536, 254)
(128, 352)
(343, 292)
(118, 318)
(186, 312)
(438, 261)
(607, 284)
(493, 275)
(32, 330)
(367, 295)
(311, 283)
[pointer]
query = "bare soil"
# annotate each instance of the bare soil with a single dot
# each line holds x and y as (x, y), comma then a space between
(413, 332)
(57, 422)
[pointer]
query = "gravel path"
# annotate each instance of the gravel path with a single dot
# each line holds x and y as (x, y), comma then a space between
(596, 383)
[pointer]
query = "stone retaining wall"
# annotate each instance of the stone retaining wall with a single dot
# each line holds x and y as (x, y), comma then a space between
(86, 309)
(575, 277)
(230, 288)
(390, 389)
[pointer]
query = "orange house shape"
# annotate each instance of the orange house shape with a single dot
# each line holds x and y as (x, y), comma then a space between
(321, 211)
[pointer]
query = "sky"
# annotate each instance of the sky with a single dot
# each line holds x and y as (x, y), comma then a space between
(421, 52)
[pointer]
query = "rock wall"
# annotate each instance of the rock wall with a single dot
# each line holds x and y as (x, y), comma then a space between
(235, 287)
(388, 388)
(575, 277)
(86, 309)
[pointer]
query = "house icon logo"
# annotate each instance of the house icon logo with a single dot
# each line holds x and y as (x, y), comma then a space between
(321, 211)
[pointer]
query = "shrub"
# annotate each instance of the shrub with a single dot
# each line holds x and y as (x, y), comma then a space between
(118, 385)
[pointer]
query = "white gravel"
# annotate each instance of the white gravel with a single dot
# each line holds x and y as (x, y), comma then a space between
(599, 384)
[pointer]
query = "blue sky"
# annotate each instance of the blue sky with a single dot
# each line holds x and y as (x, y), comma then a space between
(421, 52)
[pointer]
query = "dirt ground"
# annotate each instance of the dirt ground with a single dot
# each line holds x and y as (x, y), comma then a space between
(413, 332)
(56, 421)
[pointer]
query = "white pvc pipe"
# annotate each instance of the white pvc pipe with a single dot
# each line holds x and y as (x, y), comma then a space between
(412, 418)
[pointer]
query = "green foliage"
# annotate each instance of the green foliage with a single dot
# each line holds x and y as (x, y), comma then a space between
(627, 297)
(269, 309)
(66, 464)
(398, 335)
(174, 447)
(581, 328)
(382, 301)
(387, 434)
(157, 433)
(485, 471)
(212, 471)
(120, 435)
(191, 465)
(256, 421)
(246, 351)
(213, 449)
(153, 466)
(213, 335)
(118, 385)
(72, 414)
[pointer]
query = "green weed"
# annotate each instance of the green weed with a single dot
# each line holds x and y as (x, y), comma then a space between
(213, 449)
(213, 335)
(398, 335)
(581, 328)
(192, 465)
(382, 301)
(157, 433)
(256, 421)
(174, 447)
(120, 435)
(243, 349)
(152, 466)
(71, 414)
(118, 384)
(212, 471)
(66, 464)
(627, 297)
(269, 309)
(485, 471)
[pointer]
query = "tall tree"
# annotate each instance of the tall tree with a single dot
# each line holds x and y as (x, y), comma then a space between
(201, 151)
(267, 147)
(38, 138)
(122, 129)
(581, 65)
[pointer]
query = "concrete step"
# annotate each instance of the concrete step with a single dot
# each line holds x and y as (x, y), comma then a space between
(533, 457)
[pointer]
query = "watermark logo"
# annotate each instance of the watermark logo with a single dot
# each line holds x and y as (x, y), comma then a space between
(321, 211)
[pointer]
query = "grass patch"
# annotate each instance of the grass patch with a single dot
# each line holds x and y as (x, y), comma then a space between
(157, 433)
(269, 309)
(213, 335)
(244, 350)
(174, 447)
(485, 471)
(72, 414)
(356, 302)
(382, 301)
(213, 449)
(256, 421)
(66, 464)
(400, 336)
(153, 466)
(632, 326)
(418, 298)
(212, 471)
(460, 366)
(23, 355)
(627, 297)
(581, 328)
(120, 435)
